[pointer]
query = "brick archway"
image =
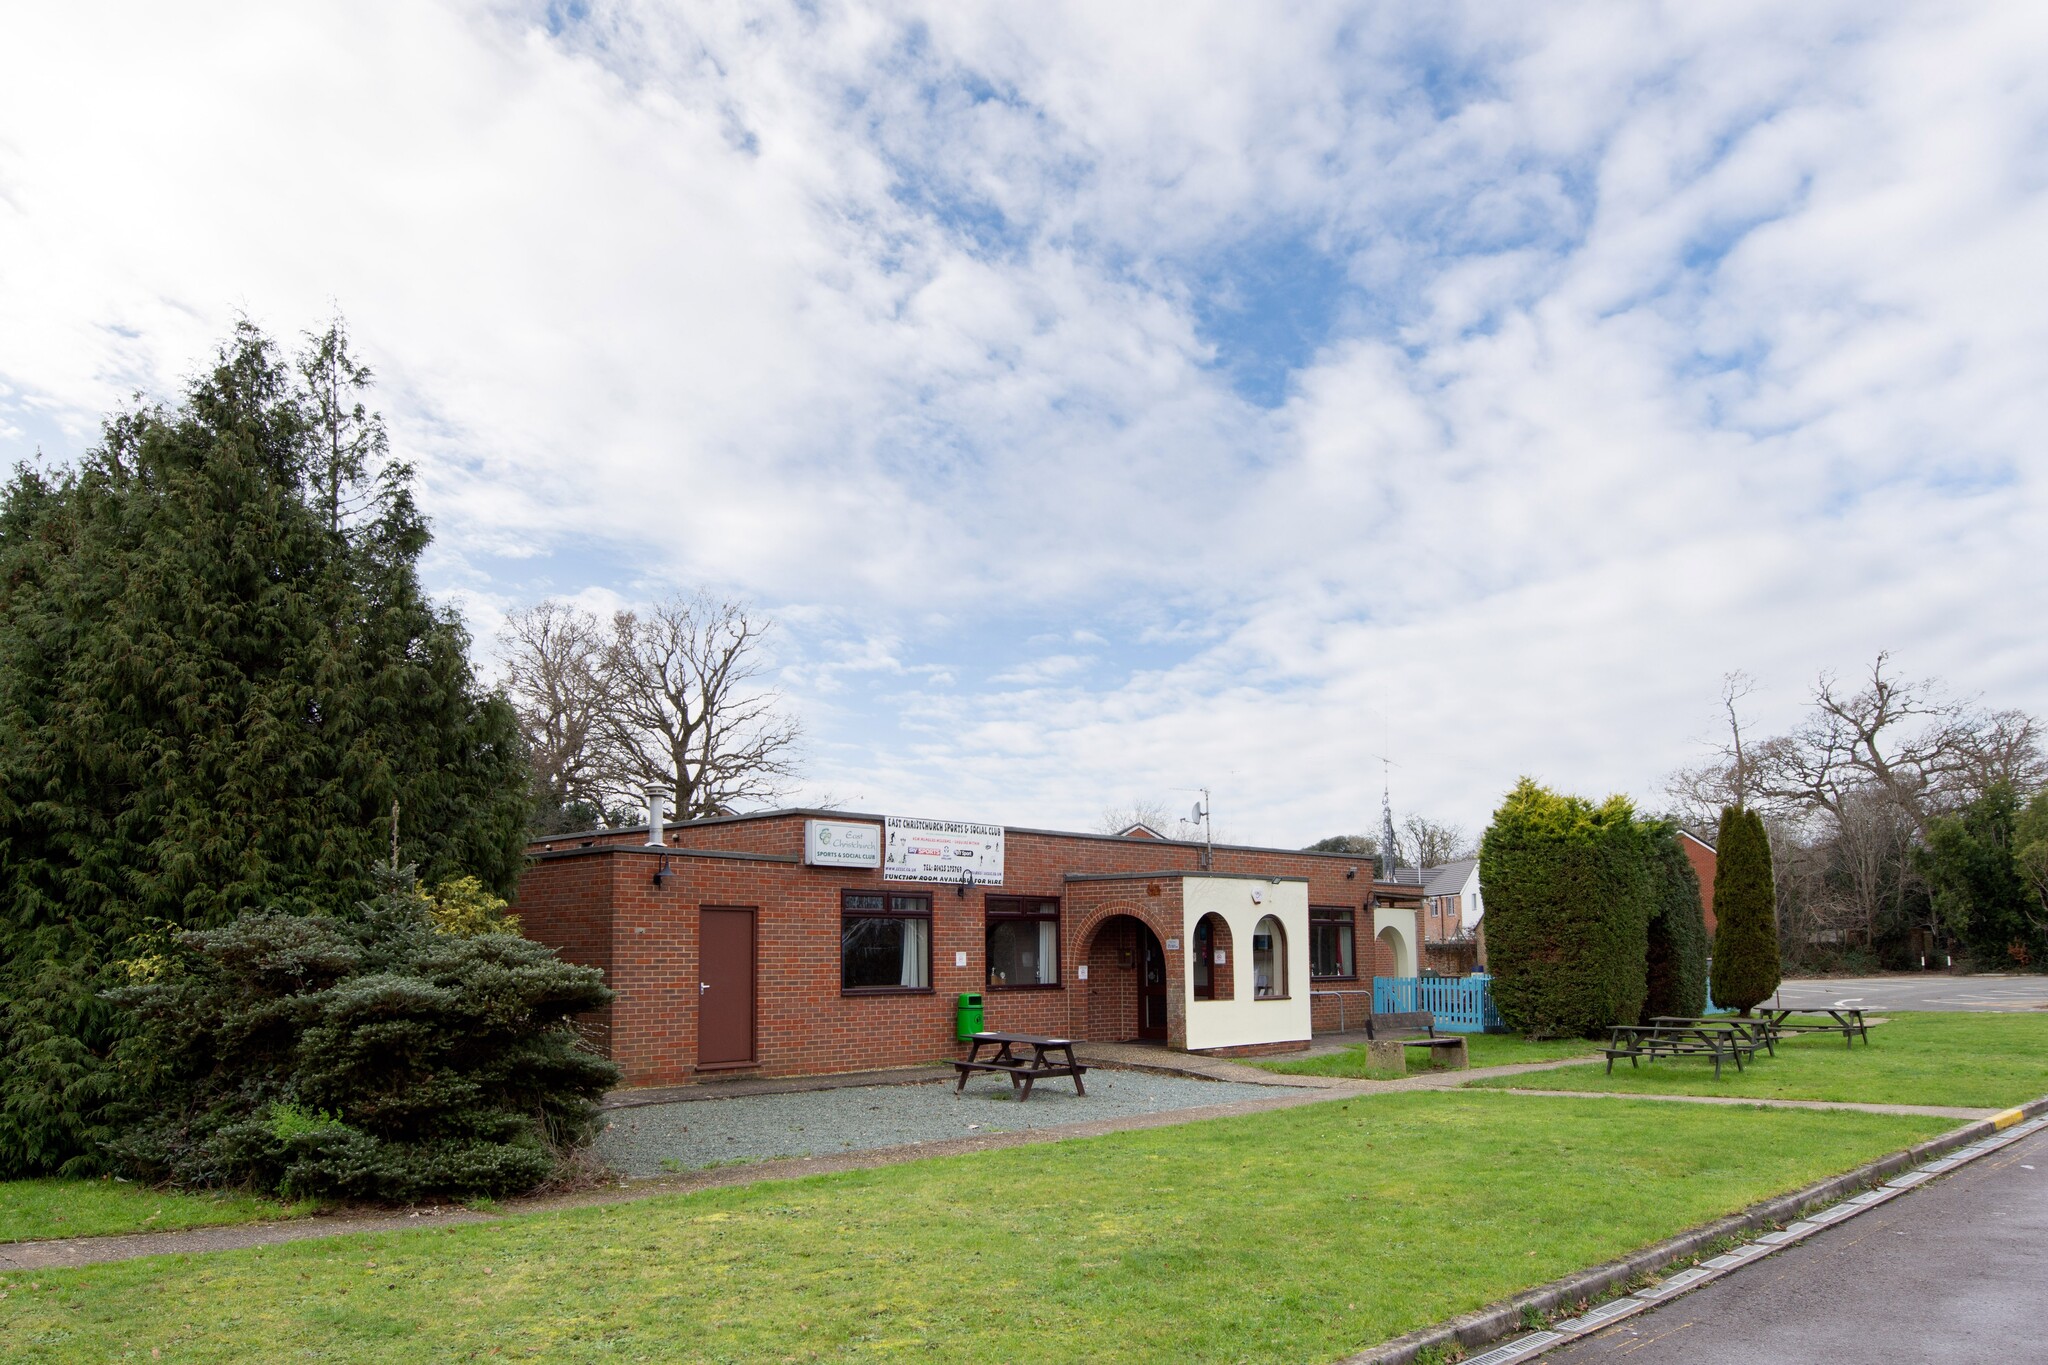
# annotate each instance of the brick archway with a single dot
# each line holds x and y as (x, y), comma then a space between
(1108, 941)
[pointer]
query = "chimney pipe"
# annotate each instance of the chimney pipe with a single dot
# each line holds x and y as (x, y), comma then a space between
(657, 811)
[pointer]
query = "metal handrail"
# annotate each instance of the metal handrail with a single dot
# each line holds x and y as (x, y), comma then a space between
(1340, 1004)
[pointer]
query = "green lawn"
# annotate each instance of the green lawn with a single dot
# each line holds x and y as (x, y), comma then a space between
(1297, 1235)
(1484, 1049)
(34, 1209)
(1978, 1061)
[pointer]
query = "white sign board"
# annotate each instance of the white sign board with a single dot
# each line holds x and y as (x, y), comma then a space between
(837, 843)
(942, 851)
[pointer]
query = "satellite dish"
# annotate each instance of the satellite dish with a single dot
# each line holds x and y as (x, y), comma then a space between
(1195, 815)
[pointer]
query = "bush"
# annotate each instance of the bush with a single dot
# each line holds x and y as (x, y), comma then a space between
(1567, 908)
(1676, 963)
(1746, 968)
(370, 1057)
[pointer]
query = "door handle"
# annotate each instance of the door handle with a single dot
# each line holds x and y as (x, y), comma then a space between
(703, 986)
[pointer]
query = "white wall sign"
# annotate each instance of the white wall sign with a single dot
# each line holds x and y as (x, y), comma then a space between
(959, 959)
(838, 843)
(1173, 945)
(1081, 972)
(942, 851)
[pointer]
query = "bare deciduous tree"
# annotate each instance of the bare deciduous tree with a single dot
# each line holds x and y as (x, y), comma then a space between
(1435, 844)
(1150, 813)
(669, 700)
(553, 653)
(683, 708)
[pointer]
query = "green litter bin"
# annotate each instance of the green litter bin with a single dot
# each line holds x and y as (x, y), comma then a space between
(967, 1019)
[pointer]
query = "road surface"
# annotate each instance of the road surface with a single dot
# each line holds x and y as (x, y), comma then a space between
(1879, 993)
(1954, 1271)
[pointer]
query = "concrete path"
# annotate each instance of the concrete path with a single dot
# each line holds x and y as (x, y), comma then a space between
(1951, 1272)
(1939, 1111)
(1918, 992)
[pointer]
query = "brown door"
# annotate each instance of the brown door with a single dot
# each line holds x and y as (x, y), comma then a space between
(1151, 986)
(725, 988)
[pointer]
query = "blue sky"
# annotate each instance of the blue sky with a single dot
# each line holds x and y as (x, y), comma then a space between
(1114, 400)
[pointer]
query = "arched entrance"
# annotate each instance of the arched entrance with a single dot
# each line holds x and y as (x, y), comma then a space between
(1396, 953)
(1127, 981)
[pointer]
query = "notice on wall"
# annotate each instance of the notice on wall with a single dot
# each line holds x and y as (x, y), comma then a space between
(841, 843)
(942, 851)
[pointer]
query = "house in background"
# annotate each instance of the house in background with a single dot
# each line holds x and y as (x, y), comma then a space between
(1700, 854)
(1452, 908)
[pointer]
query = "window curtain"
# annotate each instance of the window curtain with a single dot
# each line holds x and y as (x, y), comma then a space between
(1048, 952)
(915, 932)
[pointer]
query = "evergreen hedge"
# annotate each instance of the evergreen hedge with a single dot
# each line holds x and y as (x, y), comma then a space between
(1676, 966)
(373, 1056)
(1746, 968)
(1567, 890)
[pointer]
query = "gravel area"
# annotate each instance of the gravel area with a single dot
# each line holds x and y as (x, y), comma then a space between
(660, 1139)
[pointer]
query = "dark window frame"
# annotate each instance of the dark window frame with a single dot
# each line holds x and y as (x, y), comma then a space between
(889, 910)
(1332, 914)
(998, 910)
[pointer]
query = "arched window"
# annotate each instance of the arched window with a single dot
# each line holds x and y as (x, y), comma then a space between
(1211, 959)
(1269, 960)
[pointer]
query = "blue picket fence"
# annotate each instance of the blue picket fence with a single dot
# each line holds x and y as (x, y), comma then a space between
(1461, 1004)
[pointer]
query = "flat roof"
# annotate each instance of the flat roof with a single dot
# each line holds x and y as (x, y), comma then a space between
(811, 813)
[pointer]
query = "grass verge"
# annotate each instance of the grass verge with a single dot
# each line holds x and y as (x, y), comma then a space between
(1484, 1049)
(1296, 1235)
(1977, 1061)
(31, 1210)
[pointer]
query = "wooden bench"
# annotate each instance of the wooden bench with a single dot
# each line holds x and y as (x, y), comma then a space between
(1639, 1041)
(1023, 1075)
(1446, 1053)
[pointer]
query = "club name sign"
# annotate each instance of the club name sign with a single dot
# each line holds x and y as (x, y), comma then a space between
(842, 843)
(942, 851)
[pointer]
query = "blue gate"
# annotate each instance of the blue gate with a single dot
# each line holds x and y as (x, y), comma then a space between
(1461, 1004)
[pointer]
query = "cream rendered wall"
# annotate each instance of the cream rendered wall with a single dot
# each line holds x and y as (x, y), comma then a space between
(1242, 1020)
(1401, 920)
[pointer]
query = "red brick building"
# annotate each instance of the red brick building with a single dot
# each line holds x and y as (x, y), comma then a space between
(1701, 855)
(744, 943)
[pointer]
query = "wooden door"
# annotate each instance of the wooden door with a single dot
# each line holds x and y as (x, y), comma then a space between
(1151, 986)
(725, 987)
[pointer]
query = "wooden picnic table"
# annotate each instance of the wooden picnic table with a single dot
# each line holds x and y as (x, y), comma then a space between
(1759, 1030)
(1045, 1054)
(1639, 1041)
(1847, 1022)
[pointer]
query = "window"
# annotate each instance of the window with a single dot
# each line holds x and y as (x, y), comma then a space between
(885, 942)
(1023, 941)
(1330, 933)
(1269, 960)
(1211, 961)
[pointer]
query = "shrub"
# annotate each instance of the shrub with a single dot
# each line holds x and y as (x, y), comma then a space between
(1746, 968)
(1567, 909)
(363, 1057)
(1676, 963)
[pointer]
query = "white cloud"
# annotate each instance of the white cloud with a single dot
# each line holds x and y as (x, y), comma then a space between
(1681, 339)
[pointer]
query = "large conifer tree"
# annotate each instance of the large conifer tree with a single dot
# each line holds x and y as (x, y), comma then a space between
(1745, 913)
(218, 675)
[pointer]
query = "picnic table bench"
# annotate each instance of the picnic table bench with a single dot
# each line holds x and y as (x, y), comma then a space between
(1847, 1022)
(1022, 1074)
(1638, 1041)
(1761, 1031)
